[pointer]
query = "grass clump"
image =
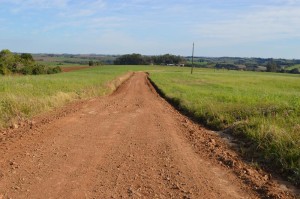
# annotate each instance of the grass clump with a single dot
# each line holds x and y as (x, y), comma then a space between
(262, 107)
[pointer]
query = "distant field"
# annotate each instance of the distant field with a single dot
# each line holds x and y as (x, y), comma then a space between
(264, 107)
(293, 67)
(71, 60)
(60, 64)
(26, 96)
(200, 64)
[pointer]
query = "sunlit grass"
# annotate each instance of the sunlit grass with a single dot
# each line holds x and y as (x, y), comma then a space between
(26, 96)
(263, 107)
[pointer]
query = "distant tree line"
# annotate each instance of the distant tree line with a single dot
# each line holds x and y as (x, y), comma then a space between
(273, 66)
(138, 59)
(11, 63)
(95, 63)
(228, 66)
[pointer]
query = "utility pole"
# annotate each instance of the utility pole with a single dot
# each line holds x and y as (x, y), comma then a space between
(193, 59)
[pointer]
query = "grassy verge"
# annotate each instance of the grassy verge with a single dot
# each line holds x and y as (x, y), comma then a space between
(22, 97)
(264, 108)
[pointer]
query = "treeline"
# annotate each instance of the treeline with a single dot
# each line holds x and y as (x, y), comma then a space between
(249, 64)
(24, 63)
(270, 66)
(138, 59)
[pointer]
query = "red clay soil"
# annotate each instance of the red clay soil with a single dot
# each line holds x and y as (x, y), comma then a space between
(72, 68)
(131, 144)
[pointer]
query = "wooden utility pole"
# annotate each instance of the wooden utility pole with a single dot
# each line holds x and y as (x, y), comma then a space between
(192, 59)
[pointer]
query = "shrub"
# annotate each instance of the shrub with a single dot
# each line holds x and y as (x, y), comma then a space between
(27, 70)
(295, 71)
(38, 70)
(24, 64)
(54, 70)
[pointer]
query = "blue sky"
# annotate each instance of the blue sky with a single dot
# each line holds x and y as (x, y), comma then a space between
(246, 28)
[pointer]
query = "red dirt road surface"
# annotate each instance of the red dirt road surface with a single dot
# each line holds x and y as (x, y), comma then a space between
(73, 68)
(131, 144)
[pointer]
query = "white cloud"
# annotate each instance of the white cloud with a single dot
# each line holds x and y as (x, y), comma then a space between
(154, 26)
(37, 3)
(83, 9)
(264, 24)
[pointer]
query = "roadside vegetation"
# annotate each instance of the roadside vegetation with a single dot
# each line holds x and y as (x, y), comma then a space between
(22, 97)
(11, 63)
(261, 108)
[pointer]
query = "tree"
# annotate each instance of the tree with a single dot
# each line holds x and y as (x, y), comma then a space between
(26, 59)
(24, 64)
(271, 66)
(91, 63)
(295, 71)
(38, 69)
(130, 59)
(8, 61)
(137, 59)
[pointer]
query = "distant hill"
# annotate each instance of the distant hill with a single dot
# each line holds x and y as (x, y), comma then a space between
(230, 63)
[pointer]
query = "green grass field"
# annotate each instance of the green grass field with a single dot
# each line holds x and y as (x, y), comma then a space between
(27, 96)
(261, 107)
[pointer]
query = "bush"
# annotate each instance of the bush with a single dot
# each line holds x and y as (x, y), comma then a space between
(295, 71)
(38, 70)
(91, 63)
(54, 70)
(4, 70)
(24, 64)
(27, 70)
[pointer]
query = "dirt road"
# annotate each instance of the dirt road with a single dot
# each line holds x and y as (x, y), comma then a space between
(131, 144)
(73, 68)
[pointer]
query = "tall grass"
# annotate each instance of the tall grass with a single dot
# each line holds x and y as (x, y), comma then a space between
(262, 107)
(26, 96)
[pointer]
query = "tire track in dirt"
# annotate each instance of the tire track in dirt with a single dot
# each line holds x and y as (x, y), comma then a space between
(131, 144)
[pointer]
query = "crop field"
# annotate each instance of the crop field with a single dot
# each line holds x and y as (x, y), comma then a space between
(26, 96)
(261, 107)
